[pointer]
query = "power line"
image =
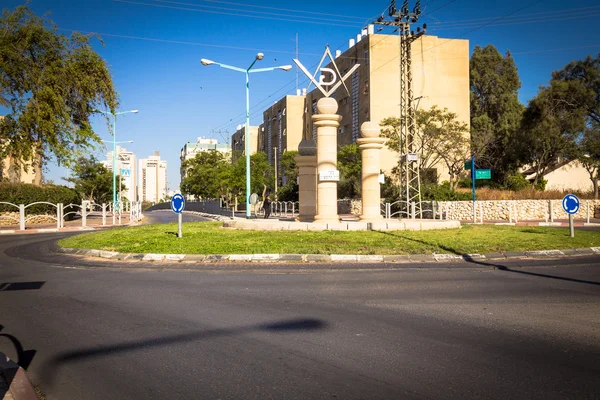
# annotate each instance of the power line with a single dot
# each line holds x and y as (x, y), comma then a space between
(281, 9)
(233, 14)
(480, 20)
(527, 21)
(183, 42)
(237, 9)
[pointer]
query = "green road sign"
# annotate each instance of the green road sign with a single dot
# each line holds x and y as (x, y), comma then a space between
(468, 165)
(483, 174)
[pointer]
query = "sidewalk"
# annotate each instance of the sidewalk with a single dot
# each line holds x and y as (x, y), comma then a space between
(14, 383)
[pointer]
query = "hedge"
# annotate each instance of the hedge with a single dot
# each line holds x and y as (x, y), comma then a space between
(25, 193)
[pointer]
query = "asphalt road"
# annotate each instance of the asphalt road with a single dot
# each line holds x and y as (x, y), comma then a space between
(163, 217)
(437, 332)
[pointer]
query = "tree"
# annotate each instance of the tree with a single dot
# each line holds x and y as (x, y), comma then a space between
(581, 90)
(550, 130)
(560, 121)
(439, 137)
(589, 154)
(350, 166)
(206, 175)
(51, 85)
(495, 109)
(93, 181)
(260, 175)
(289, 191)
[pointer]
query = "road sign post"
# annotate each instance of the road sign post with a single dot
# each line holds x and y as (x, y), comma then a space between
(178, 205)
(571, 205)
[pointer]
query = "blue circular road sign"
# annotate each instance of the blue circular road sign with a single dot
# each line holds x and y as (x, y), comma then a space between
(571, 204)
(177, 203)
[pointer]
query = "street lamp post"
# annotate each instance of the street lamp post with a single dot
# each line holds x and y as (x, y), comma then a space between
(247, 71)
(114, 141)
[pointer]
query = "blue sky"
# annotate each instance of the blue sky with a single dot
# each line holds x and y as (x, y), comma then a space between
(153, 49)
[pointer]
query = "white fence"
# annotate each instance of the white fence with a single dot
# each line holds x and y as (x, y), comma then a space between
(83, 210)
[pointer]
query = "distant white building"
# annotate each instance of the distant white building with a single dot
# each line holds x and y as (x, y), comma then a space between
(153, 179)
(190, 150)
(127, 168)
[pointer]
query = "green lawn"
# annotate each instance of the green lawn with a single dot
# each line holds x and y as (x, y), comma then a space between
(211, 238)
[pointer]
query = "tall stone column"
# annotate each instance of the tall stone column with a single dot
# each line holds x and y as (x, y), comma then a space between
(307, 180)
(327, 122)
(370, 144)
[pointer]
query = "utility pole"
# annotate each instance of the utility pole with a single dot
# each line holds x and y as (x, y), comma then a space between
(410, 180)
(276, 177)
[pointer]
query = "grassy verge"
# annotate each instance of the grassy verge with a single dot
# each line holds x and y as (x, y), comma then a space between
(210, 238)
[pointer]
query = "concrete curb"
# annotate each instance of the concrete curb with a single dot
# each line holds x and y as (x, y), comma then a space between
(14, 381)
(327, 258)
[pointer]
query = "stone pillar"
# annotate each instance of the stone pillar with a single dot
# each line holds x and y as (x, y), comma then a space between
(327, 123)
(370, 144)
(307, 180)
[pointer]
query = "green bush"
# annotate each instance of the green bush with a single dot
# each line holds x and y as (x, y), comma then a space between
(516, 182)
(442, 193)
(541, 184)
(24, 193)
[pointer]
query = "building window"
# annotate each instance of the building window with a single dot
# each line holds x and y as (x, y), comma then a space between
(366, 57)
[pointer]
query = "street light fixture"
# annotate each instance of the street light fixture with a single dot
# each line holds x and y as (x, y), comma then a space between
(114, 141)
(247, 71)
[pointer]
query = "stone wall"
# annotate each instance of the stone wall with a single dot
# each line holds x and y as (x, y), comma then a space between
(514, 210)
(12, 218)
(495, 210)
(350, 206)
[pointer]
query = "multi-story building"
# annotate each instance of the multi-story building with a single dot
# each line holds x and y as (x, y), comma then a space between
(14, 170)
(238, 141)
(282, 130)
(440, 76)
(126, 168)
(153, 179)
(190, 150)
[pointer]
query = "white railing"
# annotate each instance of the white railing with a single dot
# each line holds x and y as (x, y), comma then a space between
(84, 210)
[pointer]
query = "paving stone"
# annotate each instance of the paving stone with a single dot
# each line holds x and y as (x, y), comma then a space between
(398, 258)
(421, 257)
(585, 250)
(153, 257)
(291, 257)
(174, 257)
(240, 257)
(215, 258)
(343, 257)
(318, 258)
(369, 258)
(495, 256)
(514, 254)
(265, 257)
(447, 257)
(544, 253)
(108, 254)
(135, 256)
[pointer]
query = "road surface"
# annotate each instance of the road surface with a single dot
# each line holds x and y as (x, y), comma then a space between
(436, 332)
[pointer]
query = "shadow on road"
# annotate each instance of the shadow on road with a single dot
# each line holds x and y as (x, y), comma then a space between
(7, 286)
(507, 269)
(51, 367)
(486, 264)
(24, 357)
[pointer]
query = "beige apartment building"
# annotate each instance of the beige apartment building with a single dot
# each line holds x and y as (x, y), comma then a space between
(282, 130)
(14, 170)
(238, 141)
(153, 179)
(440, 70)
